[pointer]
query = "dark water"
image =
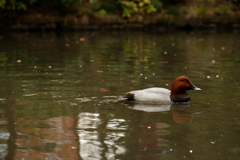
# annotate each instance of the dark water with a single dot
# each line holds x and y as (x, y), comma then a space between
(58, 97)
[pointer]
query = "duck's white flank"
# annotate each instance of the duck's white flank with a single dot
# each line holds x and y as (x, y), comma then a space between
(152, 95)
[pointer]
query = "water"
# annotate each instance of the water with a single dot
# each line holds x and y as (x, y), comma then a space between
(59, 93)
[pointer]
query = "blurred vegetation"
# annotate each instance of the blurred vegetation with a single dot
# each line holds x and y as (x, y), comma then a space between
(125, 8)
(142, 7)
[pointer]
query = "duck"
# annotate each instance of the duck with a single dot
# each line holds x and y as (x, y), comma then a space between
(156, 95)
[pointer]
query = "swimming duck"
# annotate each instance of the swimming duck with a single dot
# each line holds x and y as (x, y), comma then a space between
(177, 95)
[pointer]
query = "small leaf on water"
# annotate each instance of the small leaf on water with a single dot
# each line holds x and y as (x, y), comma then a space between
(104, 90)
(29, 95)
(82, 39)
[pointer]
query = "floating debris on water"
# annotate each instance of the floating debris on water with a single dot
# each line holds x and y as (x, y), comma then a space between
(84, 99)
(82, 39)
(104, 90)
(29, 95)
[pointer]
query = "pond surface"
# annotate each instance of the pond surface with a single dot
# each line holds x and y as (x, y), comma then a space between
(59, 96)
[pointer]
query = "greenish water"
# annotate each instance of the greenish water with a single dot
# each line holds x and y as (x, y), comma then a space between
(58, 97)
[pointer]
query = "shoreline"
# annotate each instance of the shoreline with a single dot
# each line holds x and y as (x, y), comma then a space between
(158, 22)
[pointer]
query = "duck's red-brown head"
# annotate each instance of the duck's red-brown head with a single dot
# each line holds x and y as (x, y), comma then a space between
(179, 88)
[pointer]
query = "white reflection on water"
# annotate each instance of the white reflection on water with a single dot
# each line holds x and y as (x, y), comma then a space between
(96, 144)
(116, 124)
(90, 147)
(114, 147)
(88, 120)
(3, 147)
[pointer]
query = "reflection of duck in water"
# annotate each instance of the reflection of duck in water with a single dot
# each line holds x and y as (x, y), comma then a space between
(178, 111)
(177, 95)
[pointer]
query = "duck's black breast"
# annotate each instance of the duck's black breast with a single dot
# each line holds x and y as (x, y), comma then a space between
(180, 98)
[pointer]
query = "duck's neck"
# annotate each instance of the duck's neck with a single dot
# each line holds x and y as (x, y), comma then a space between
(180, 98)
